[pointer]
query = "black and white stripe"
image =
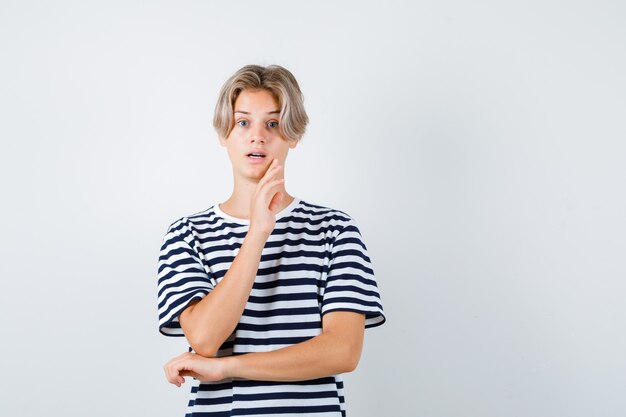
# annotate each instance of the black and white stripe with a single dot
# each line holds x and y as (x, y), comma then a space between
(314, 262)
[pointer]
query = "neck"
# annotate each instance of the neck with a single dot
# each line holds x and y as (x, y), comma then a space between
(238, 204)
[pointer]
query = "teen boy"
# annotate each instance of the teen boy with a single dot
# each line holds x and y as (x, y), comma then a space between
(273, 293)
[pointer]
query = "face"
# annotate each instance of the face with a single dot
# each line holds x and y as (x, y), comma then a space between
(257, 117)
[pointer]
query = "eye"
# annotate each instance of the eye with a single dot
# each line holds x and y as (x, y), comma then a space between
(272, 124)
(242, 123)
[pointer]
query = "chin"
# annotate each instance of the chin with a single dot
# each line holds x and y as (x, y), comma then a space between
(254, 174)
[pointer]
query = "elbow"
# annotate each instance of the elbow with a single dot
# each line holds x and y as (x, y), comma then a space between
(351, 357)
(204, 351)
(201, 342)
(351, 363)
(202, 345)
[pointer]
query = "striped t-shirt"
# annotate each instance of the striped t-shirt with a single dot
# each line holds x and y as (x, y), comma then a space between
(314, 262)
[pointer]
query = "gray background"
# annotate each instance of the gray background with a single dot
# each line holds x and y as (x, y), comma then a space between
(479, 146)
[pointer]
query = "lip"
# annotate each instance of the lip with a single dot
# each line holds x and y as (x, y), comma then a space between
(256, 160)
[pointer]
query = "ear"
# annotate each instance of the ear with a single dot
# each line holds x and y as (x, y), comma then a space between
(293, 143)
(222, 140)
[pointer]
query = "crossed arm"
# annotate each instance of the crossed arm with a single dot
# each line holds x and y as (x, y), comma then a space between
(209, 322)
(336, 350)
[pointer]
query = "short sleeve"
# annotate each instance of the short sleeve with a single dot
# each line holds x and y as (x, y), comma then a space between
(182, 277)
(350, 281)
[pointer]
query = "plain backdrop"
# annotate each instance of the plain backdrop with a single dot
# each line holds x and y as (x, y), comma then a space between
(480, 146)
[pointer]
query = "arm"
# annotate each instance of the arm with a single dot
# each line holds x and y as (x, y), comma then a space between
(336, 350)
(210, 321)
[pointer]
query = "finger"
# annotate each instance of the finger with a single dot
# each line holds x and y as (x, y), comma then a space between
(268, 191)
(168, 373)
(169, 365)
(271, 166)
(276, 200)
(174, 366)
(173, 374)
(177, 370)
(191, 374)
(269, 174)
(168, 370)
(274, 166)
(270, 184)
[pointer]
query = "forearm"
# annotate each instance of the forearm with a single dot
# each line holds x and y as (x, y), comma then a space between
(209, 322)
(321, 356)
(336, 350)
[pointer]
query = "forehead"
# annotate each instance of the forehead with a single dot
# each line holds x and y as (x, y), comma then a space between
(256, 101)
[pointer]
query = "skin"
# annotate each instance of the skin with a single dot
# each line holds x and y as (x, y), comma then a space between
(256, 130)
(259, 194)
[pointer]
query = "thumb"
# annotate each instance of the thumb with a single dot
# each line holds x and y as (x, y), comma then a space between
(276, 200)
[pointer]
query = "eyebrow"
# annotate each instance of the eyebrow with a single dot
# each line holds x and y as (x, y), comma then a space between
(245, 112)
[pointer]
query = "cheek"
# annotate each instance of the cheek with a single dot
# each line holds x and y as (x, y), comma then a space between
(232, 153)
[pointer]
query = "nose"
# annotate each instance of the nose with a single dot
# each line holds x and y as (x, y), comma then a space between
(257, 135)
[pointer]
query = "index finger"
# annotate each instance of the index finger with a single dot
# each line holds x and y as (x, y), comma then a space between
(271, 171)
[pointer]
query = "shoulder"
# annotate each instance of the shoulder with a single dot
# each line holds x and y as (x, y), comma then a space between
(334, 218)
(188, 225)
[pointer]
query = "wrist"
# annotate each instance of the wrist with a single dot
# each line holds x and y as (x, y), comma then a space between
(230, 365)
(257, 236)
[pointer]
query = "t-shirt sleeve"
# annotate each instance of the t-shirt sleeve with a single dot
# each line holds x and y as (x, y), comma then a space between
(350, 282)
(182, 277)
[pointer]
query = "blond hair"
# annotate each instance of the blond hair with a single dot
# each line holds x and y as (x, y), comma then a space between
(273, 78)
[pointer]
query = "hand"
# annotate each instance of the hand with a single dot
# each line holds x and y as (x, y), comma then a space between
(267, 198)
(194, 365)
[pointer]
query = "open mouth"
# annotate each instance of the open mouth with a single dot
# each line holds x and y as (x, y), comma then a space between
(256, 155)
